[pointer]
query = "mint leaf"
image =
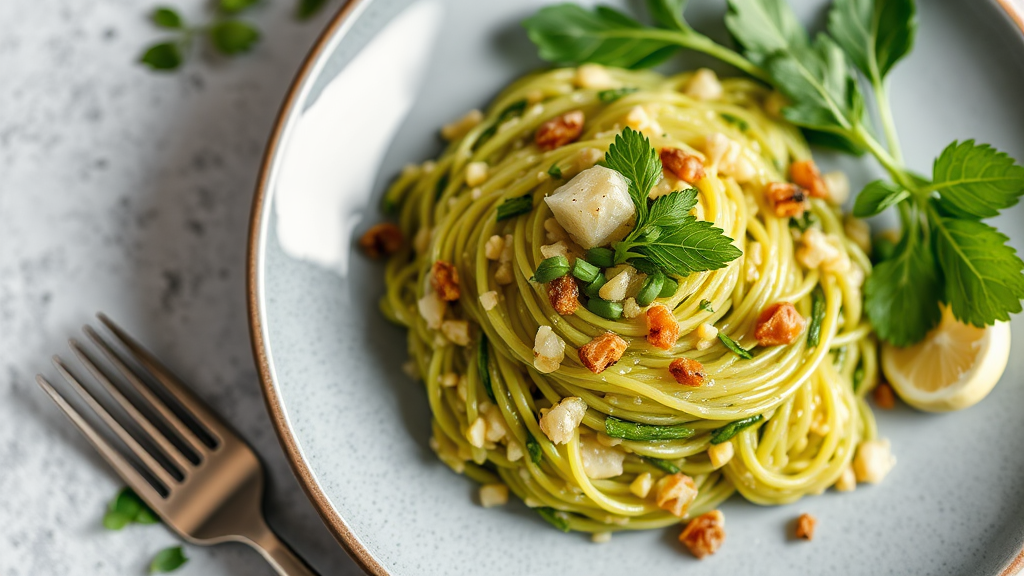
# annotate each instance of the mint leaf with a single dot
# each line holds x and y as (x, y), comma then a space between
(695, 246)
(764, 27)
(976, 180)
(232, 37)
(569, 34)
(984, 280)
(163, 56)
(877, 197)
(815, 78)
(236, 6)
(633, 156)
(308, 8)
(672, 210)
(876, 34)
(901, 297)
(669, 13)
(126, 508)
(168, 560)
(165, 17)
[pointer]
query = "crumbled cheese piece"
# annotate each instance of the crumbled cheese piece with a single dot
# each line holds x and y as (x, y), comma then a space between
(457, 331)
(630, 309)
(594, 207)
(600, 461)
(476, 434)
(601, 537)
(638, 119)
(847, 480)
(873, 461)
(462, 388)
(492, 495)
(554, 231)
(615, 289)
(557, 249)
(476, 193)
(838, 187)
(432, 309)
(822, 250)
(641, 485)
(595, 77)
(548, 350)
(514, 451)
(720, 454)
(421, 241)
(742, 169)
(586, 158)
(476, 173)
(507, 249)
(460, 127)
(607, 440)
(707, 331)
(448, 380)
(503, 275)
(720, 149)
(488, 300)
(496, 429)
(559, 423)
(493, 247)
(704, 85)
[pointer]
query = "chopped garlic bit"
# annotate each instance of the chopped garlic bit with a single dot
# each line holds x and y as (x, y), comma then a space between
(704, 85)
(496, 429)
(559, 423)
(630, 309)
(616, 288)
(600, 461)
(456, 331)
(707, 335)
(557, 249)
(838, 187)
(488, 300)
(514, 451)
(476, 173)
(873, 461)
(492, 495)
(641, 485)
(823, 250)
(595, 77)
(493, 247)
(476, 434)
(638, 119)
(594, 207)
(432, 309)
(720, 454)
(548, 350)
(503, 275)
(462, 126)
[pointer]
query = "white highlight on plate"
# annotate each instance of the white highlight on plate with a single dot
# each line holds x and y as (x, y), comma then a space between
(337, 145)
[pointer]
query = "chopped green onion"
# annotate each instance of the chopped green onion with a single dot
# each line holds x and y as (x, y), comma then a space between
(734, 346)
(593, 289)
(705, 305)
(614, 94)
(725, 433)
(650, 289)
(555, 171)
(585, 271)
(737, 121)
(551, 269)
(633, 431)
(666, 465)
(668, 289)
(601, 257)
(554, 517)
(533, 447)
(605, 309)
(817, 317)
(515, 206)
(481, 364)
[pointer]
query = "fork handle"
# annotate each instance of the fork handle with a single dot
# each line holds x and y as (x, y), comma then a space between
(283, 559)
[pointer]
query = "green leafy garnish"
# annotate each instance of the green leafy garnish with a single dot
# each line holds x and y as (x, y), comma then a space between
(168, 560)
(976, 181)
(726, 433)
(127, 508)
(634, 431)
(663, 465)
(556, 518)
(232, 37)
(734, 346)
(613, 94)
(740, 123)
(874, 35)
(162, 56)
(705, 305)
(165, 17)
(534, 449)
(551, 269)
(555, 172)
(877, 197)
(901, 297)
(817, 317)
(482, 362)
(515, 207)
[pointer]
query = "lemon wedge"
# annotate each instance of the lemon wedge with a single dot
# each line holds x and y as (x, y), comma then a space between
(955, 366)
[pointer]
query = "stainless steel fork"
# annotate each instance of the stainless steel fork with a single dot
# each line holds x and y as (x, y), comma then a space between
(194, 471)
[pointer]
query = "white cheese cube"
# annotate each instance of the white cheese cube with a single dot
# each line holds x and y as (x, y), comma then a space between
(594, 207)
(600, 461)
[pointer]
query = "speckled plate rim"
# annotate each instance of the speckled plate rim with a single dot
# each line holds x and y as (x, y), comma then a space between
(336, 29)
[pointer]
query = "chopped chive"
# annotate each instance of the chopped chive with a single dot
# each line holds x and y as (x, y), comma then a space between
(705, 305)
(555, 172)
(515, 207)
(668, 290)
(737, 121)
(650, 289)
(817, 317)
(633, 431)
(725, 433)
(601, 257)
(554, 517)
(660, 464)
(593, 289)
(533, 447)
(482, 361)
(605, 309)
(585, 271)
(734, 346)
(550, 269)
(614, 94)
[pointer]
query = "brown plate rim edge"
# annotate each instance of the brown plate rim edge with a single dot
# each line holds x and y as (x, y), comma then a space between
(330, 517)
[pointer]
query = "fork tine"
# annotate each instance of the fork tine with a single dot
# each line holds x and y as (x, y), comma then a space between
(141, 419)
(154, 467)
(200, 412)
(128, 473)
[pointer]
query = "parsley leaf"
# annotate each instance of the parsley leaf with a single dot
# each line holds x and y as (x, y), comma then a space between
(165, 17)
(633, 156)
(232, 37)
(878, 196)
(976, 181)
(876, 34)
(902, 294)
(168, 560)
(672, 210)
(669, 13)
(162, 56)
(694, 247)
(127, 508)
(764, 27)
(984, 280)
(815, 78)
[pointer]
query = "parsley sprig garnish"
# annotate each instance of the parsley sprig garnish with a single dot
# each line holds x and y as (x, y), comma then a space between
(666, 236)
(946, 254)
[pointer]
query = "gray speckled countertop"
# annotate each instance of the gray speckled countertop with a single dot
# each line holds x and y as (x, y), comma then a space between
(127, 191)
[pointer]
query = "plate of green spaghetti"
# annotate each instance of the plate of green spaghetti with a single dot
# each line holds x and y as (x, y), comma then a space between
(557, 288)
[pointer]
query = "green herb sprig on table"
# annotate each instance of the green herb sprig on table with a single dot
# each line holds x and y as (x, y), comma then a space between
(946, 254)
(666, 236)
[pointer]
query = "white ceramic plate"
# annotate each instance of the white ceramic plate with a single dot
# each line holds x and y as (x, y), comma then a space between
(370, 98)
